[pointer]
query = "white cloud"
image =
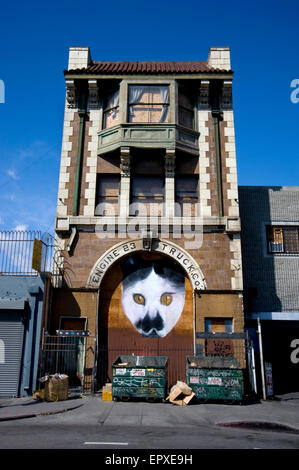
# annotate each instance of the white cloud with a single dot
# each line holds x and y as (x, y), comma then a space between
(21, 227)
(12, 174)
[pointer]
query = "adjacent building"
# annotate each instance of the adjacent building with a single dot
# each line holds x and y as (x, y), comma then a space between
(147, 225)
(24, 305)
(270, 252)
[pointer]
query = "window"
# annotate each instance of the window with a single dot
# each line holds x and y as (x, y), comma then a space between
(186, 194)
(218, 325)
(282, 239)
(148, 104)
(72, 323)
(148, 191)
(111, 109)
(107, 194)
(186, 110)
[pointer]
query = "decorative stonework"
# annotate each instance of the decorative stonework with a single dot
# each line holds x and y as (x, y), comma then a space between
(71, 94)
(93, 94)
(170, 163)
(125, 162)
(170, 249)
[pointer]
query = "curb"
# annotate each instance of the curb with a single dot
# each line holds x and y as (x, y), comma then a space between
(33, 415)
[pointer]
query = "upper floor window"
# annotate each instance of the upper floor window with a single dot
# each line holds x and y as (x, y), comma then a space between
(186, 194)
(148, 103)
(186, 109)
(218, 325)
(282, 239)
(111, 109)
(107, 194)
(147, 195)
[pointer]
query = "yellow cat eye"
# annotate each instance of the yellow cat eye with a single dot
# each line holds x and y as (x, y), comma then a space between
(139, 299)
(166, 299)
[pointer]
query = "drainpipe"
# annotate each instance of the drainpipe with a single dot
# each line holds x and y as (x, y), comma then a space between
(216, 117)
(82, 115)
(96, 347)
(259, 332)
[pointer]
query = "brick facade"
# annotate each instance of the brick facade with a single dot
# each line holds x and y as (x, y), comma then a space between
(195, 151)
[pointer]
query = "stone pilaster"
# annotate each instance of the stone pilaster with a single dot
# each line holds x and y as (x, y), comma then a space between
(230, 149)
(236, 262)
(169, 183)
(95, 121)
(204, 160)
(125, 176)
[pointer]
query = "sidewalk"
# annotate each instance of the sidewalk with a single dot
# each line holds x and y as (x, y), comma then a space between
(21, 408)
(282, 413)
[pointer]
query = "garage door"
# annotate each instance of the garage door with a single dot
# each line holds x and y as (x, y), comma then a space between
(11, 347)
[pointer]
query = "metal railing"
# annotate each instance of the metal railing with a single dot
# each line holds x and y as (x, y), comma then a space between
(16, 249)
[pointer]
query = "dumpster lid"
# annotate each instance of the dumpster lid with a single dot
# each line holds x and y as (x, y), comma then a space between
(140, 361)
(214, 362)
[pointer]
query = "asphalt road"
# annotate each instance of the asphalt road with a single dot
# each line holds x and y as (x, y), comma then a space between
(72, 430)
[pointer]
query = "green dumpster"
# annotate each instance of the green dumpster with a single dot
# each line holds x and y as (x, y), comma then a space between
(139, 376)
(215, 378)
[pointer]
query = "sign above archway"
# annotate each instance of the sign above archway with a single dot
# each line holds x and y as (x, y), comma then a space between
(170, 249)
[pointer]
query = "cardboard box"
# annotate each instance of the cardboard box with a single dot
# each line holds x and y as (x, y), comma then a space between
(184, 401)
(56, 387)
(180, 394)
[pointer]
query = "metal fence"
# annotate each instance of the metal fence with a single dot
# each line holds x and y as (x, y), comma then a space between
(16, 248)
(89, 368)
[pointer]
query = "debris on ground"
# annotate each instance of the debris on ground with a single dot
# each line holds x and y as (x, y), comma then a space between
(180, 394)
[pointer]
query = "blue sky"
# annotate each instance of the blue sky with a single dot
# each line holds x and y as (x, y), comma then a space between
(35, 37)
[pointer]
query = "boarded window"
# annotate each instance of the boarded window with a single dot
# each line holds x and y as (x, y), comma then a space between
(186, 195)
(186, 110)
(147, 194)
(107, 195)
(111, 109)
(148, 104)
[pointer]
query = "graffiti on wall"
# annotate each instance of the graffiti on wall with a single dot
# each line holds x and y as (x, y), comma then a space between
(219, 347)
(153, 294)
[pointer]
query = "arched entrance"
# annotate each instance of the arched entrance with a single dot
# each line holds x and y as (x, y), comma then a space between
(146, 305)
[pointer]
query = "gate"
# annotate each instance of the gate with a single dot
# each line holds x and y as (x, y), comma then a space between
(64, 355)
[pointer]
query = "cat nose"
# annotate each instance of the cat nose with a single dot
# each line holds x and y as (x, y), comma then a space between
(147, 323)
(152, 311)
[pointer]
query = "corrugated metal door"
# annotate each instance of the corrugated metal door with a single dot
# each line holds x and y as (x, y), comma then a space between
(11, 345)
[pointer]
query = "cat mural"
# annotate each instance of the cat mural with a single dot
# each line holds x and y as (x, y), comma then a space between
(153, 294)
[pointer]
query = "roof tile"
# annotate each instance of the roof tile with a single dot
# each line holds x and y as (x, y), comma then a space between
(146, 67)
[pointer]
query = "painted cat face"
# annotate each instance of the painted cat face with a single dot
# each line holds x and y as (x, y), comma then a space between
(153, 303)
